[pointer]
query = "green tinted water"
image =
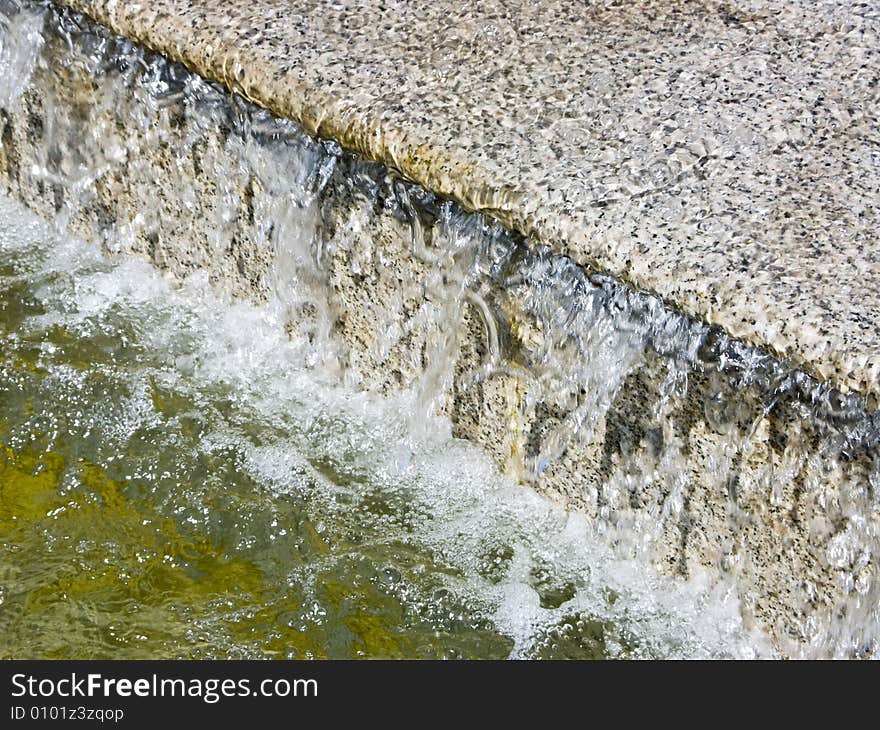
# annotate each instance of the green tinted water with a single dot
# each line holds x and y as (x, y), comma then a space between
(175, 483)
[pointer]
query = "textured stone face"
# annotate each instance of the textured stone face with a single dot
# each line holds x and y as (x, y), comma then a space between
(724, 157)
(704, 454)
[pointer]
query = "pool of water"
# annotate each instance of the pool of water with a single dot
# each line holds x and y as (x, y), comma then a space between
(176, 481)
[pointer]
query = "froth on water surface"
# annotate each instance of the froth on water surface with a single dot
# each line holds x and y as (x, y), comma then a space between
(176, 482)
(255, 496)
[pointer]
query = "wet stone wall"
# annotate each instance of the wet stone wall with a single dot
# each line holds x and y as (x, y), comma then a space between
(678, 442)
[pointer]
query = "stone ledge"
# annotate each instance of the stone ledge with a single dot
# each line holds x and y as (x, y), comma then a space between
(724, 158)
(694, 465)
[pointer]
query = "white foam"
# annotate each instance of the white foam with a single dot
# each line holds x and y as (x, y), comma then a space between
(494, 535)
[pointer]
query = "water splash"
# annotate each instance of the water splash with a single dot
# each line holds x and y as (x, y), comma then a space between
(195, 405)
(687, 449)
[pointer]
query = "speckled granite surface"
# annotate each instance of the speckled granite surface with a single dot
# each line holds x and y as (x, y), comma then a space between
(725, 156)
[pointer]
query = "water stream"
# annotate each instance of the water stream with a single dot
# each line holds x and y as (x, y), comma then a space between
(186, 473)
(176, 481)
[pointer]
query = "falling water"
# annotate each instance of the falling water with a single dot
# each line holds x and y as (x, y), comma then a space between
(287, 400)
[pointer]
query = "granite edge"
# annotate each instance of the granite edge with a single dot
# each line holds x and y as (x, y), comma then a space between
(446, 173)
